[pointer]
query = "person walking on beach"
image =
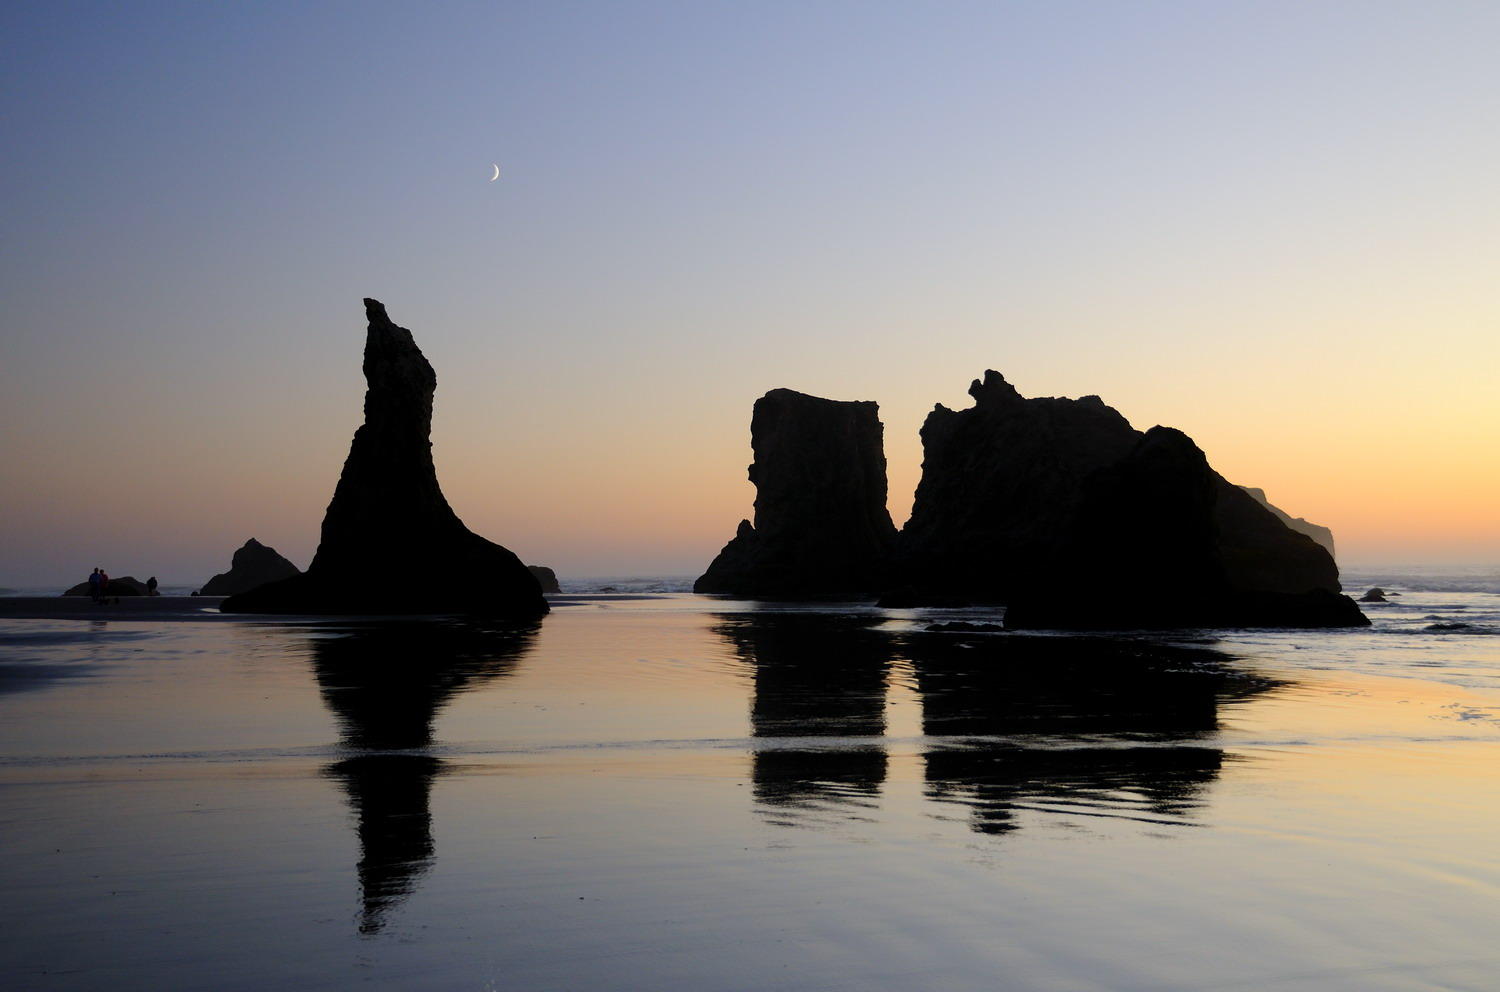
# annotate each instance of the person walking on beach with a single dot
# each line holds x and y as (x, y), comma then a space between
(103, 586)
(94, 591)
(151, 586)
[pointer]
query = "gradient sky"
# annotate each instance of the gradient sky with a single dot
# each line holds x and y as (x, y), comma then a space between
(1275, 226)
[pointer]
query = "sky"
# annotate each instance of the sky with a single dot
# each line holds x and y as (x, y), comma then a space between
(1275, 226)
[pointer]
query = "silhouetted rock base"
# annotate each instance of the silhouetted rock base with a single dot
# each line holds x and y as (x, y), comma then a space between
(1316, 609)
(305, 594)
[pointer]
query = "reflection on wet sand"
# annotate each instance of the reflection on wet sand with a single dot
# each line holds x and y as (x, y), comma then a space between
(1079, 726)
(1071, 726)
(815, 676)
(385, 683)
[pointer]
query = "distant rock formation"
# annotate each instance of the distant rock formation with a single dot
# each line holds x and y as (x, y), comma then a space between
(545, 577)
(1376, 595)
(1065, 512)
(390, 542)
(821, 524)
(127, 586)
(252, 566)
(1317, 532)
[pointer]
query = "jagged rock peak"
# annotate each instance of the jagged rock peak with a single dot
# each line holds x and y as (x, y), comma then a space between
(992, 390)
(253, 565)
(390, 541)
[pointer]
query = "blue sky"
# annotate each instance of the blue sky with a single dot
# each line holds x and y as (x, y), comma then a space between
(1273, 225)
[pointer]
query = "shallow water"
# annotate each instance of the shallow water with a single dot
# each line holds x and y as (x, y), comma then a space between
(685, 793)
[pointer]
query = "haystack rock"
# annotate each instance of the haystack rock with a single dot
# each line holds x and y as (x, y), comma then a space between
(545, 577)
(390, 542)
(1317, 532)
(821, 526)
(252, 566)
(1062, 510)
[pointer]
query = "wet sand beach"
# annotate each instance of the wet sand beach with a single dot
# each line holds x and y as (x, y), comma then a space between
(675, 792)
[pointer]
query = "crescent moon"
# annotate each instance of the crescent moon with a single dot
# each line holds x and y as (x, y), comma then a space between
(497, 172)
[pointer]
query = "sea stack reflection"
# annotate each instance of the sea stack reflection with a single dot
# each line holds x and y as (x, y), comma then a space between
(390, 541)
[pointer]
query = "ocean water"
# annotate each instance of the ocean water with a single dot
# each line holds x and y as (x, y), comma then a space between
(655, 790)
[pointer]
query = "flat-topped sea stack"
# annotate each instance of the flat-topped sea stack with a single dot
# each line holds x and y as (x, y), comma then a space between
(821, 526)
(1062, 510)
(390, 542)
(252, 566)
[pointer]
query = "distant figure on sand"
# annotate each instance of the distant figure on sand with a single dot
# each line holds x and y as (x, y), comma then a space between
(151, 586)
(95, 591)
(103, 586)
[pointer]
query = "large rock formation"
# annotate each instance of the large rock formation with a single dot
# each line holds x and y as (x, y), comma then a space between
(1061, 509)
(390, 542)
(253, 565)
(1160, 540)
(1001, 483)
(821, 525)
(1317, 532)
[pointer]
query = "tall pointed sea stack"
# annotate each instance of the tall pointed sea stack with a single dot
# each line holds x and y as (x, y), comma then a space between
(821, 525)
(390, 542)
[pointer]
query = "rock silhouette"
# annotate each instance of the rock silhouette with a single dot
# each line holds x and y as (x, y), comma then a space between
(253, 565)
(545, 577)
(821, 525)
(1376, 595)
(1160, 540)
(127, 585)
(1317, 532)
(1001, 484)
(390, 542)
(1057, 507)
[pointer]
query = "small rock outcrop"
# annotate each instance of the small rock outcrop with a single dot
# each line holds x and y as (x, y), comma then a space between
(388, 517)
(545, 577)
(252, 566)
(1317, 532)
(1376, 595)
(128, 585)
(821, 525)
